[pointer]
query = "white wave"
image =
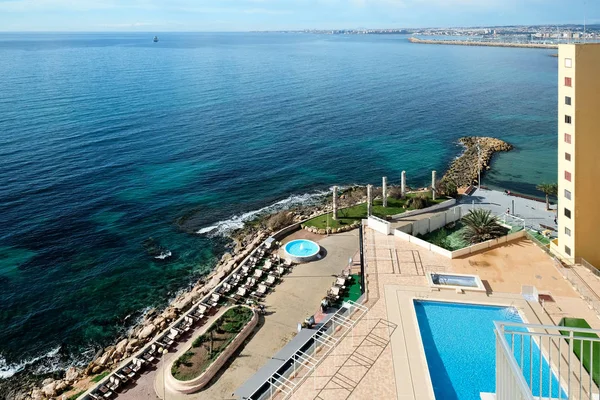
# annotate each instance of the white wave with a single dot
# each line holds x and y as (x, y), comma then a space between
(222, 228)
(8, 370)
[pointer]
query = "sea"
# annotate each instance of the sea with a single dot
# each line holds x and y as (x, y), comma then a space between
(115, 150)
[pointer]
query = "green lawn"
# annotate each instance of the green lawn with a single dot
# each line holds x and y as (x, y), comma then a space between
(579, 348)
(98, 378)
(353, 291)
(545, 241)
(348, 216)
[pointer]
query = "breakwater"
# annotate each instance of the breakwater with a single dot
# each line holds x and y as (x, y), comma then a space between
(478, 43)
(464, 171)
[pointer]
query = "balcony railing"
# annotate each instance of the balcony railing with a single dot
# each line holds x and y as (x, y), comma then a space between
(546, 362)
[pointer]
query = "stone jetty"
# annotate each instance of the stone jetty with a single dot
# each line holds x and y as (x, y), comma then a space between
(490, 44)
(464, 170)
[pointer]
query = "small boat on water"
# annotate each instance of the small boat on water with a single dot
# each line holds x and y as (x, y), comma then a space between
(155, 39)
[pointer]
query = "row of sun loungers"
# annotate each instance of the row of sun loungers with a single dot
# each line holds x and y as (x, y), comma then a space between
(338, 286)
(261, 278)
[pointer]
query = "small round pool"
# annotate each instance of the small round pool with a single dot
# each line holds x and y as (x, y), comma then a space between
(302, 250)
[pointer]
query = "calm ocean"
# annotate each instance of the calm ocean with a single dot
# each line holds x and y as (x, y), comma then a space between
(108, 140)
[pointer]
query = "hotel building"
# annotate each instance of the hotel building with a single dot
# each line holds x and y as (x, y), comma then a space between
(578, 153)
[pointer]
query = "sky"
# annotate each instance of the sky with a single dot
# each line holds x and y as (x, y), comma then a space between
(247, 15)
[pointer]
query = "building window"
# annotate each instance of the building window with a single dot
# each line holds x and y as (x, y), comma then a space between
(567, 195)
(567, 119)
(567, 251)
(567, 100)
(568, 82)
(568, 62)
(568, 156)
(567, 213)
(568, 176)
(567, 231)
(567, 138)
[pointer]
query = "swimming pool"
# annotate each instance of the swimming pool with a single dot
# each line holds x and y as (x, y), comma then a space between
(460, 348)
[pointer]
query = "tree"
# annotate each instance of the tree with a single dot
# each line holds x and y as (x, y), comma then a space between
(417, 202)
(481, 225)
(549, 189)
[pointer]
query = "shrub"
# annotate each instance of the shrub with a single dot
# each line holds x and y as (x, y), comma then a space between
(481, 225)
(280, 220)
(418, 202)
(199, 340)
(395, 193)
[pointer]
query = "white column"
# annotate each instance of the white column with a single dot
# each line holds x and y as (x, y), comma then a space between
(335, 202)
(369, 199)
(403, 184)
(384, 190)
(433, 188)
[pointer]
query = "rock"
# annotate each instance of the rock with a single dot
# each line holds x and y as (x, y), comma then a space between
(133, 343)
(321, 232)
(37, 394)
(170, 313)
(72, 374)
(147, 331)
(47, 381)
(49, 389)
(96, 369)
(104, 359)
(121, 346)
(61, 386)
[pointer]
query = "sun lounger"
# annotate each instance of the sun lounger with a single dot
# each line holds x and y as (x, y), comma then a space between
(288, 262)
(95, 396)
(245, 270)
(240, 293)
(173, 333)
(268, 265)
(137, 364)
(262, 290)
(258, 273)
(340, 282)
(271, 279)
(113, 383)
(148, 357)
(122, 377)
(104, 392)
(127, 370)
(214, 299)
(279, 271)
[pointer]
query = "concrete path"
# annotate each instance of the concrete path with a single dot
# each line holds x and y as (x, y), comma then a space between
(534, 212)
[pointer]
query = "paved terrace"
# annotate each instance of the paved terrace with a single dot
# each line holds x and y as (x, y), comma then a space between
(295, 298)
(534, 212)
(384, 358)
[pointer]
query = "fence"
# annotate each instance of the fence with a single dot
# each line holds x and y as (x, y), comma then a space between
(546, 362)
(580, 284)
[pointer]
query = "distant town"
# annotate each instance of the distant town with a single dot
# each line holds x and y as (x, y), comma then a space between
(517, 34)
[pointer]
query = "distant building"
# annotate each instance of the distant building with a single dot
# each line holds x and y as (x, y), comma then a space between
(579, 153)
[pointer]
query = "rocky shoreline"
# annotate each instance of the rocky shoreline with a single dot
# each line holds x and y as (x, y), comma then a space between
(488, 44)
(464, 171)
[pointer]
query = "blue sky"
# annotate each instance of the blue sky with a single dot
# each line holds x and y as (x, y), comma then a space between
(244, 15)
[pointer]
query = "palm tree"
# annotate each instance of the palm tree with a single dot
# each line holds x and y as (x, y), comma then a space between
(549, 189)
(481, 225)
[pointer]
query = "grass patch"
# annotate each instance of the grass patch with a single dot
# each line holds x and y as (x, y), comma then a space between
(354, 291)
(99, 377)
(76, 395)
(209, 346)
(582, 350)
(347, 216)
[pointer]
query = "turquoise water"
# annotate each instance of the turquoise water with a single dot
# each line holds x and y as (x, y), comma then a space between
(301, 248)
(460, 348)
(115, 149)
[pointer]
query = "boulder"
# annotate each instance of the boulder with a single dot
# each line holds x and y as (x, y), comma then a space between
(61, 386)
(47, 381)
(147, 331)
(96, 369)
(72, 374)
(37, 394)
(321, 232)
(133, 343)
(49, 389)
(104, 359)
(120, 348)
(170, 313)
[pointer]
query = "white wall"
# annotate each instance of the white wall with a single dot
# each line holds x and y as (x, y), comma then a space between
(437, 221)
(445, 204)
(380, 225)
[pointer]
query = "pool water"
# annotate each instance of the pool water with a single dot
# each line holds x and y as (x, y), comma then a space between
(460, 348)
(302, 248)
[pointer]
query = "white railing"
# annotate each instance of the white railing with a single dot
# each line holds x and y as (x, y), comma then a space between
(543, 362)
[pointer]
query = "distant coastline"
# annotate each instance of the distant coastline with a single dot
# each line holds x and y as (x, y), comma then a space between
(490, 44)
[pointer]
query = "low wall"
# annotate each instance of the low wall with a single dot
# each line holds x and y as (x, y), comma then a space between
(379, 225)
(198, 383)
(418, 227)
(441, 206)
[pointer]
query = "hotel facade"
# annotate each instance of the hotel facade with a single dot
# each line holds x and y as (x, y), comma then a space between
(578, 210)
